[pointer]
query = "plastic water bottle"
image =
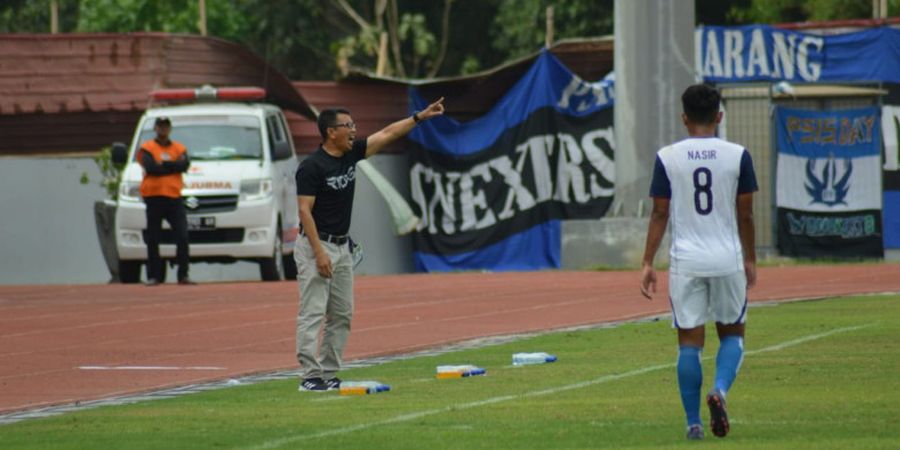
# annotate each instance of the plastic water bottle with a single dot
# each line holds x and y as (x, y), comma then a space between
(524, 359)
(362, 387)
(463, 371)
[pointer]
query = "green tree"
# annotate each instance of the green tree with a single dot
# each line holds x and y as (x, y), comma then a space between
(171, 16)
(415, 36)
(519, 26)
(292, 35)
(716, 12)
(311, 39)
(296, 36)
(33, 16)
(781, 11)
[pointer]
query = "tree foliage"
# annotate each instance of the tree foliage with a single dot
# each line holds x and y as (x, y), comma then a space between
(171, 16)
(520, 26)
(780, 11)
(405, 39)
(296, 36)
(33, 16)
(313, 39)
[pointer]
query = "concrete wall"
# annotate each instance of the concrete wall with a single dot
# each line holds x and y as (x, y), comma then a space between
(47, 232)
(609, 243)
(371, 226)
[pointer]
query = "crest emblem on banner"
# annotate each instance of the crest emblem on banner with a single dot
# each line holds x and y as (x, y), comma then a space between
(831, 187)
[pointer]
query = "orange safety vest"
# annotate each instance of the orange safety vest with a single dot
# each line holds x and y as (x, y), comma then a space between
(162, 185)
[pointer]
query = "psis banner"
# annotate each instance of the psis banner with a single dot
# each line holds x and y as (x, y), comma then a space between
(828, 183)
(491, 191)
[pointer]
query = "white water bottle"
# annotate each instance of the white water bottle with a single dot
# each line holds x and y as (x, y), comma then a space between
(362, 387)
(523, 359)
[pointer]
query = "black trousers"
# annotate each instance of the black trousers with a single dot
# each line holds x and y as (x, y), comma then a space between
(171, 209)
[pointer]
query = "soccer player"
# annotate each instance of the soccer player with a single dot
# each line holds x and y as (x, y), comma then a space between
(704, 187)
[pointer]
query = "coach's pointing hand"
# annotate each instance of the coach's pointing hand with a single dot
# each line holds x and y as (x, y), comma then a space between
(434, 109)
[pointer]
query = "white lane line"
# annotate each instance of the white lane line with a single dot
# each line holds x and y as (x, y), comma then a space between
(281, 442)
(812, 337)
(151, 368)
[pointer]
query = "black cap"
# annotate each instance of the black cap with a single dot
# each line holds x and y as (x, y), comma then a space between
(163, 121)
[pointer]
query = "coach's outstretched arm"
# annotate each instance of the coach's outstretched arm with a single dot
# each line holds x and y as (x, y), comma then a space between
(376, 142)
(659, 218)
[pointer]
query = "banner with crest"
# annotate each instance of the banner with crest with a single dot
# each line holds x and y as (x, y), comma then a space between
(828, 183)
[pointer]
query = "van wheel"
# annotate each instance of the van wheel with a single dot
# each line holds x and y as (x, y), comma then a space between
(272, 269)
(129, 272)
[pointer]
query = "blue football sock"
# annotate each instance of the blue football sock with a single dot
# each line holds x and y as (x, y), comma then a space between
(690, 379)
(728, 361)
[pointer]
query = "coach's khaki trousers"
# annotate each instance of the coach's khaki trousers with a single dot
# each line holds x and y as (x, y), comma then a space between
(328, 300)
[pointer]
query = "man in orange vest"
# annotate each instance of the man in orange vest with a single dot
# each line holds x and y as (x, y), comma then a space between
(164, 160)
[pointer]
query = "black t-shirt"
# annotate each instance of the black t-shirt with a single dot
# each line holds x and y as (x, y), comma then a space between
(331, 181)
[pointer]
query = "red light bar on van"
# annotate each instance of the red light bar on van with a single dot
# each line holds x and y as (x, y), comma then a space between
(173, 94)
(208, 92)
(241, 93)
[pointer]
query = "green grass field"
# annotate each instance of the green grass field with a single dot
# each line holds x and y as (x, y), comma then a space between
(818, 374)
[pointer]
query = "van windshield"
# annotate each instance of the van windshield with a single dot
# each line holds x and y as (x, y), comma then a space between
(213, 137)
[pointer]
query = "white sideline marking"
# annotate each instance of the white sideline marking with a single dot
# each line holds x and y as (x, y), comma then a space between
(150, 368)
(489, 401)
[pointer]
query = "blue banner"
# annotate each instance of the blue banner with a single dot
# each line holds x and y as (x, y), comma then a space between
(828, 182)
(890, 131)
(847, 133)
(892, 219)
(764, 53)
(491, 191)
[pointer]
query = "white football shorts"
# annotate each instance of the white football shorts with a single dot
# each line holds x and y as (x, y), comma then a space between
(696, 300)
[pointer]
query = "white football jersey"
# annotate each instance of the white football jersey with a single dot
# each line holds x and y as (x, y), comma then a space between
(702, 177)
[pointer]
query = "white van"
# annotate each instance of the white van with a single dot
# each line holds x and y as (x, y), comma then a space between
(239, 191)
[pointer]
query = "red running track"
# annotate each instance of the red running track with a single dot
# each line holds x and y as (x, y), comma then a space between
(48, 334)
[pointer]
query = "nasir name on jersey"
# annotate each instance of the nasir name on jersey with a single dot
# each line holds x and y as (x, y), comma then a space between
(701, 154)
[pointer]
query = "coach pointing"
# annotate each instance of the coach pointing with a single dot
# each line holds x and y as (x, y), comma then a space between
(325, 186)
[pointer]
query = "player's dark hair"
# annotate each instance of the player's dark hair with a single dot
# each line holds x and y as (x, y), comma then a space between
(701, 103)
(327, 119)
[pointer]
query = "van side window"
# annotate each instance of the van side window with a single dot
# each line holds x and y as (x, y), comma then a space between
(281, 144)
(276, 132)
